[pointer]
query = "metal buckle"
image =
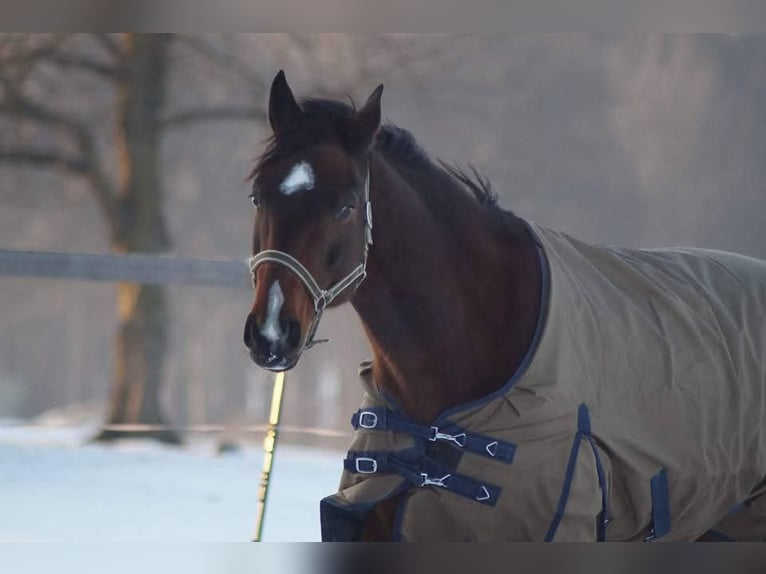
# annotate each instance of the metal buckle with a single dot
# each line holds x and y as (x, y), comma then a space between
(429, 481)
(373, 468)
(491, 448)
(371, 417)
(483, 494)
(458, 439)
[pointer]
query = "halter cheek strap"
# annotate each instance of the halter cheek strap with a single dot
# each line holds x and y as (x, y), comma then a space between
(321, 297)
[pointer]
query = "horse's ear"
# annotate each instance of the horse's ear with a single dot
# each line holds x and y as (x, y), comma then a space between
(282, 105)
(368, 119)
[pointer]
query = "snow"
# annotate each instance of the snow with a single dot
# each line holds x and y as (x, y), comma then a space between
(152, 558)
(56, 488)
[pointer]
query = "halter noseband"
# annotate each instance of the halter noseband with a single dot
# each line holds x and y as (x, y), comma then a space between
(321, 297)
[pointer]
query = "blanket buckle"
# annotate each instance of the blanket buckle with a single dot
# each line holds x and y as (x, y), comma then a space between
(368, 465)
(458, 439)
(368, 419)
(434, 481)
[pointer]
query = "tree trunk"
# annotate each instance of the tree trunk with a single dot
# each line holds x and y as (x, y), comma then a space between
(141, 342)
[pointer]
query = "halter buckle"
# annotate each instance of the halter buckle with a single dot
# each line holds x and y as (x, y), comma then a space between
(321, 302)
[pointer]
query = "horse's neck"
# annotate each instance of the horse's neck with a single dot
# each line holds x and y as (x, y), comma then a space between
(449, 307)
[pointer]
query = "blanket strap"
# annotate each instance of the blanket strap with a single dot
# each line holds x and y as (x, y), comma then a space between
(421, 471)
(660, 505)
(384, 419)
(583, 432)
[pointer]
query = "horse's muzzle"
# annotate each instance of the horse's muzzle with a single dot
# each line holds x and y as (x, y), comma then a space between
(274, 352)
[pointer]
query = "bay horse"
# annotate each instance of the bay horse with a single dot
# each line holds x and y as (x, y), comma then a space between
(524, 385)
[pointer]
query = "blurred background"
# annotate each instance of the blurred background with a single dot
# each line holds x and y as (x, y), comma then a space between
(134, 143)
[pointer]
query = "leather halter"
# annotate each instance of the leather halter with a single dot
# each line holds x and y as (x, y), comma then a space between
(321, 297)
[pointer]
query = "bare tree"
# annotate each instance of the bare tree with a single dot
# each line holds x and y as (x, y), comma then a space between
(130, 201)
(133, 71)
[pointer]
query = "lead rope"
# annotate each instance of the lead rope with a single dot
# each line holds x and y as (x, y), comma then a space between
(322, 298)
(269, 449)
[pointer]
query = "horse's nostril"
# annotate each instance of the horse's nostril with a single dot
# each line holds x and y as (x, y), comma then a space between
(250, 331)
(293, 333)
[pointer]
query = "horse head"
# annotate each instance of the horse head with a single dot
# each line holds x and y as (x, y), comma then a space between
(313, 220)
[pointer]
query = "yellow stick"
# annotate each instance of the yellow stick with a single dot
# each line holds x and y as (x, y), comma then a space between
(269, 448)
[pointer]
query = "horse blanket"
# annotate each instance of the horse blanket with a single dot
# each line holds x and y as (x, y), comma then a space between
(638, 414)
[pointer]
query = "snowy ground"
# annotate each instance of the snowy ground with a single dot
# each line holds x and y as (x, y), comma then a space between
(54, 489)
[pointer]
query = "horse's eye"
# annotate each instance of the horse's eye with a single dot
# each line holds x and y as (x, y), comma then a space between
(254, 200)
(345, 212)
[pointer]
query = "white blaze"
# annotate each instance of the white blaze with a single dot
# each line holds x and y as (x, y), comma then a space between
(271, 329)
(300, 177)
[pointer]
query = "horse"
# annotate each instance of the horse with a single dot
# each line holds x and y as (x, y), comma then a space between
(524, 385)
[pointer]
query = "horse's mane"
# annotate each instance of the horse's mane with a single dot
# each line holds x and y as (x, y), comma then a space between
(329, 120)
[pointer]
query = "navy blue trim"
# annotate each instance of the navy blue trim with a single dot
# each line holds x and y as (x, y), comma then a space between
(583, 432)
(604, 516)
(384, 419)
(584, 427)
(530, 355)
(412, 470)
(353, 513)
(545, 301)
(564, 497)
(367, 505)
(583, 419)
(660, 505)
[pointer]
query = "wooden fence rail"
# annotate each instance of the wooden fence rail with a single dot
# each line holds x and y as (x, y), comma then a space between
(130, 268)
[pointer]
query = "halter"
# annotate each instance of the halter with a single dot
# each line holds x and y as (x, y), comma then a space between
(321, 297)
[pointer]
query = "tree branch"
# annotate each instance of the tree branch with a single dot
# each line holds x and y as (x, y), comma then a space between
(44, 158)
(228, 62)
(86, 164)
(181, 119)
(66, 60)
(53, 53)
(80, 166)
(16, 105)
(25, 48)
